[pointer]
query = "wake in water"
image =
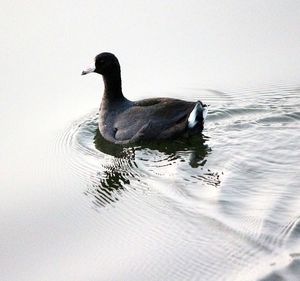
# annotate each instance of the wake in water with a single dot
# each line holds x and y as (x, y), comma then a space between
(227, 202)
(134, 165)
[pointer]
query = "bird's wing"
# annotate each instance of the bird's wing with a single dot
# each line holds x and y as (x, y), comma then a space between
(151, 117)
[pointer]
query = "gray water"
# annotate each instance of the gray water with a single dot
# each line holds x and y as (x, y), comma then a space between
(221, 206)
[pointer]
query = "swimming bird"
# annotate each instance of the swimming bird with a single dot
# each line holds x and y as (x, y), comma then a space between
(122, 121)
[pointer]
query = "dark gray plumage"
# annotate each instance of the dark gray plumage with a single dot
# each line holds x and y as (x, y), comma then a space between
(122, 121)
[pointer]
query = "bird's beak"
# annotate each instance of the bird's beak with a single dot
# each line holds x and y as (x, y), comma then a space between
(88, 70)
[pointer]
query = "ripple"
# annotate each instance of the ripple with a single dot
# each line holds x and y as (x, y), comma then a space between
(215, 205)
(110, 170)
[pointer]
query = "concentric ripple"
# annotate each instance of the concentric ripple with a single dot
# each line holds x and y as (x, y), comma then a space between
(216, 207)
(111, 169)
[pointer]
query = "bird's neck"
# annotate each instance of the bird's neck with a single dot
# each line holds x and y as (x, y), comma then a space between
(113, 87)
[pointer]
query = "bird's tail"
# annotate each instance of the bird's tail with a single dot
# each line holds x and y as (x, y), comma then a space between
(198, 114)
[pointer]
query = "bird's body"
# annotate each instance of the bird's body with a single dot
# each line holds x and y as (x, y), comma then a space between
(122, 121)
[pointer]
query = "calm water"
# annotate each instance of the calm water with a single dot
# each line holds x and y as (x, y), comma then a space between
(221, 206)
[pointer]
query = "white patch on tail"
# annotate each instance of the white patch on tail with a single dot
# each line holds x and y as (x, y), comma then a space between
(198, 109)
(193, 115)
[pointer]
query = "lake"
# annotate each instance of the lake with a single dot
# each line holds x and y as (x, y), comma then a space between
(220, 206)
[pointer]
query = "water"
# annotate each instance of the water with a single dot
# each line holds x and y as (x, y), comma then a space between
(221, 206)
(213, 207)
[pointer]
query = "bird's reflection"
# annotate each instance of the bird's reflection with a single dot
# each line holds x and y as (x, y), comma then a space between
(117, 173)
(196, 146)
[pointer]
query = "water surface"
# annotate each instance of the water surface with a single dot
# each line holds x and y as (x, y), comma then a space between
(221, 206)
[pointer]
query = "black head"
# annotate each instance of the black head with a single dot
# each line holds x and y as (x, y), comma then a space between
(105, 64)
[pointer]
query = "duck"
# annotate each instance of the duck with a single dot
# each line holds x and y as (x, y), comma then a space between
(122, 121)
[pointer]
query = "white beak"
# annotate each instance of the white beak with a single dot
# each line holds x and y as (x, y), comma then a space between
(88, 70)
